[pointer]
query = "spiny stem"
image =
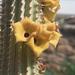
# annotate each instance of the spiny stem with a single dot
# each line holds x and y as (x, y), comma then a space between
(33, 10)
(12, 12)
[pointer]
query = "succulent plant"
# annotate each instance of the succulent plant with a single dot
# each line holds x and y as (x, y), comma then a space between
(17, 58)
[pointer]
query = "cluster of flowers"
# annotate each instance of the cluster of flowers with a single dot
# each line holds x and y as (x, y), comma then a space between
(37, 36)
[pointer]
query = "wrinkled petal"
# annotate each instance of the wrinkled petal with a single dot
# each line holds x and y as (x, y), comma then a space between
(24, 29)
(55, 38)
(19, 31)
(29, 25)
(37, 48)
(49, 8)
(51, 26)
(36, 35)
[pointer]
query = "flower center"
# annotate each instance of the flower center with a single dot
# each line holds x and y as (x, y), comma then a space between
(26, 35)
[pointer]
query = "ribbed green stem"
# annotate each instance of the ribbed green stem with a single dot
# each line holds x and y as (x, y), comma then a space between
(7, 61)
(17, 10)
(30, 56)
(35, 15)
(27, 8)
(17, 47)
(33, 10)
(17, 56)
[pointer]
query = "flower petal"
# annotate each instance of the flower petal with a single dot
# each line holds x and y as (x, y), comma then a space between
(38, 49)
(55, 38)
(25, 29)
(19, 31)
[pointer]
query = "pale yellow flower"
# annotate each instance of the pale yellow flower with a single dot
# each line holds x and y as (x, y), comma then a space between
(36, 35)
(46, 35)
(49, 8)
(24, 29)
(55, 37)
(19, 31)
(37, 45)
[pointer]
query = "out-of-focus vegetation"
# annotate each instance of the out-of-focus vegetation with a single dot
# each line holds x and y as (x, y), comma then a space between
(61, 61)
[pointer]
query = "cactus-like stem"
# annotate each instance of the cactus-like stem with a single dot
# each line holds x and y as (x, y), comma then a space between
(27, 8)
(32, 14)
(7, 62)
(12, 12)
(35, 11)
(1, 40)
(18, 14)
(33, 6)
(21, 55)
(22, 8)
(37, 16)
(17, 10)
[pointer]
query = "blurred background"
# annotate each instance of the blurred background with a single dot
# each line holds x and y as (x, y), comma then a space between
(66, 20)
(61, 61)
